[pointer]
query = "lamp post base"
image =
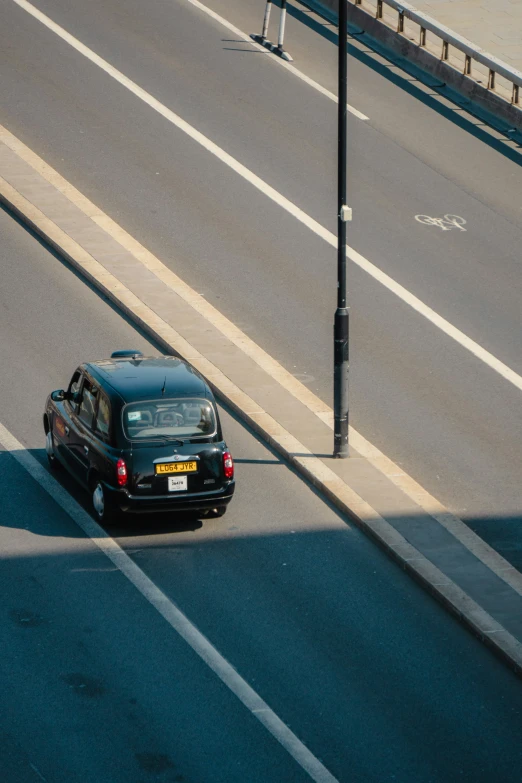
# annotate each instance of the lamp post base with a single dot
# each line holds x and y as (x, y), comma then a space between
(341, 371)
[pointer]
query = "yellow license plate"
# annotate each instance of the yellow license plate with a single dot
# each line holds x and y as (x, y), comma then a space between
(163, 468)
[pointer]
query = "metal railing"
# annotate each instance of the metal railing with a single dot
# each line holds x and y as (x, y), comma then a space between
(448, 38)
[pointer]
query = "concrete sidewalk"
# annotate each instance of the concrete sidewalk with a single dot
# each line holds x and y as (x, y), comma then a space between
(456, 566)
(494, 26)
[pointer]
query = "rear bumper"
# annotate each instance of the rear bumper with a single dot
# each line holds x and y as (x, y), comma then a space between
(147, 504)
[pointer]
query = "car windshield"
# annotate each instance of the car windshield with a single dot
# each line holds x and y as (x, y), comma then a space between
(183, 419)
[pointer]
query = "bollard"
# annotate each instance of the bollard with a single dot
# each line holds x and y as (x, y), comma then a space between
(282, 20)
(266, 20)
(262, 39)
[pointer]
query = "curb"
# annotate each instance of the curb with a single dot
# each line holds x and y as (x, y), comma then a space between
(306, 464)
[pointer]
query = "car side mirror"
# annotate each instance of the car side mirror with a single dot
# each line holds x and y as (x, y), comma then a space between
(58, 396)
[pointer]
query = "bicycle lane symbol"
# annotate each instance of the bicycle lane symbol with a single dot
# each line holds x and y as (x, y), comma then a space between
(446, 223)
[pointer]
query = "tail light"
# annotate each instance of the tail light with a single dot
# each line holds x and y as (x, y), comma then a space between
(121, 473)
(228, 465)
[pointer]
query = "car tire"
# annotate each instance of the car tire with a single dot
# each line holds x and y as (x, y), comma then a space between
(215, 513)
(49, 450)
(104, 512)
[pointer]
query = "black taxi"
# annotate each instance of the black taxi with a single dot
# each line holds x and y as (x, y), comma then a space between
(141, 435)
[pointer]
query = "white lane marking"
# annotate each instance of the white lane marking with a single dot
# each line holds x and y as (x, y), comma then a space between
(446, 223)
(175, 618)
(291, 68)
(388, 282)
(37, 771)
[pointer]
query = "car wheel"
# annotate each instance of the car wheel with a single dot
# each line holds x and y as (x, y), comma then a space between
(103, 511)
(49, 450)
(215, 513)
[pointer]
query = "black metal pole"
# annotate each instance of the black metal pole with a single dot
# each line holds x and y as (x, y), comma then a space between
(342, 314)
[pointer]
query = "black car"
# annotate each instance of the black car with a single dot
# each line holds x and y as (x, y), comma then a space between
(142, 435)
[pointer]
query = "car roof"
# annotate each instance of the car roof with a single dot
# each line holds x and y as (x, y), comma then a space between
(140, 377)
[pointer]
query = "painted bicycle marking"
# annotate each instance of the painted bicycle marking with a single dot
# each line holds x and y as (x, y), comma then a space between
(446, 223)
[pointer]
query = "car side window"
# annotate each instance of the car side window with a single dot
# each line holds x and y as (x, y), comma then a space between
(74, 386)
(88, 404)
(103, 418)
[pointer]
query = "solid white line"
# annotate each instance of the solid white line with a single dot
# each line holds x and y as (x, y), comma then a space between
(291, 68)
(396, 288)
(175, 618)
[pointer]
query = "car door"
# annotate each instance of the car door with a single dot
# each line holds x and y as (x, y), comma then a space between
(63, 420)
(81, 440)
(102, 457)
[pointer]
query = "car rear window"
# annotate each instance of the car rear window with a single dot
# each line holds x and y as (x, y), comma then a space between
(171, 418)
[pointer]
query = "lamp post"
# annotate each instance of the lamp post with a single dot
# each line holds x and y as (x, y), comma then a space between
(342, 313)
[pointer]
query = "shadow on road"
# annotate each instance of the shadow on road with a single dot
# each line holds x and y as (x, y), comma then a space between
(406, 81)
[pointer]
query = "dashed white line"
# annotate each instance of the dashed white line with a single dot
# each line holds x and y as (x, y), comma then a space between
(170, 612)
(413, 301)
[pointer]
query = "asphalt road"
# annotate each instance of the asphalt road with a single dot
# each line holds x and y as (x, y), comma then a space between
(366, 669)
(449, 420)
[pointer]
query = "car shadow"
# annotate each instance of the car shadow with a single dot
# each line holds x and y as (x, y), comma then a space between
(155, 524)
(28, 507)
(23, 511)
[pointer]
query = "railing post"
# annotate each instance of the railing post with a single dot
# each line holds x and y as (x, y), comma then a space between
(422, 40)
(445, 50)
(467, 64)
(378, 13)
(400, 22)
(491, 80)
(516, 94)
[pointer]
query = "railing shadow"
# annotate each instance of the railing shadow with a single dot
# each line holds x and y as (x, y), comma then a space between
(406, 81)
